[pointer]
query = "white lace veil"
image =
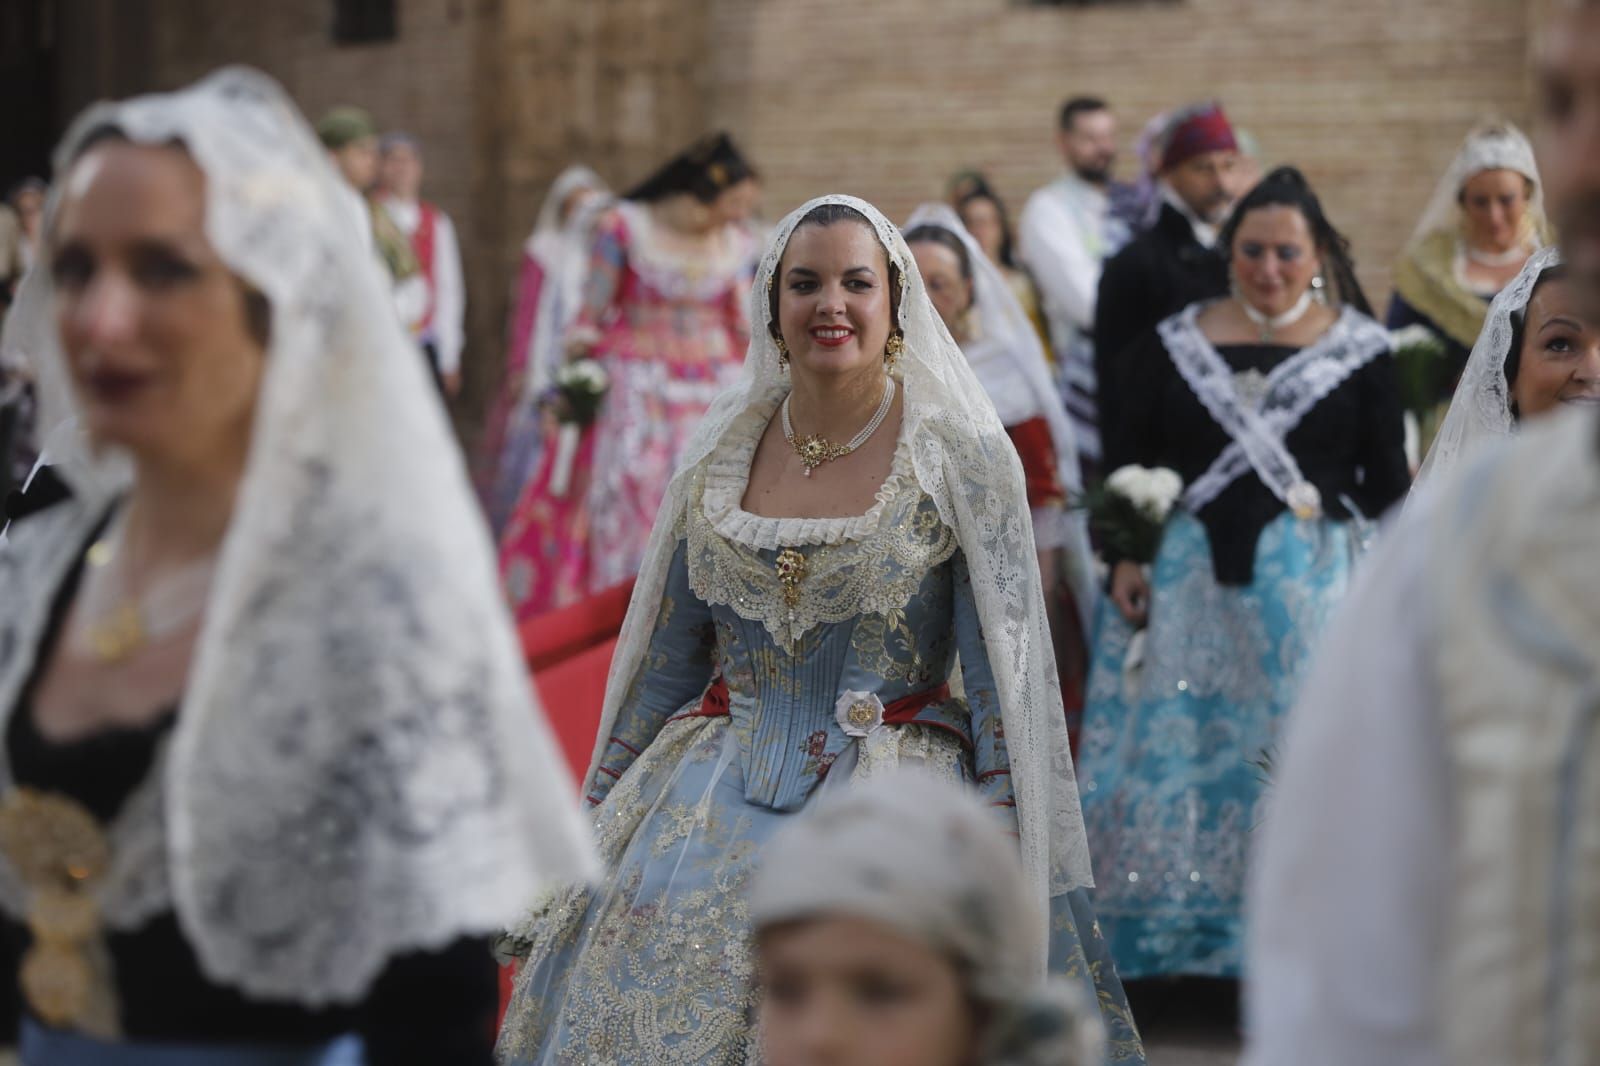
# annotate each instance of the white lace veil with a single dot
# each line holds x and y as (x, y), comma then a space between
(561, 248)
(966, 463)
(1004, 326)
(1480, 410)
(1491, 145)
(359, 769)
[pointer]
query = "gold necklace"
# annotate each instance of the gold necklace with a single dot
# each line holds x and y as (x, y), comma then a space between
(120, 630)
(814, 450)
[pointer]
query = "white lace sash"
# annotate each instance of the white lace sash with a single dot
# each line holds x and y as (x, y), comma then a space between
(1292, 389)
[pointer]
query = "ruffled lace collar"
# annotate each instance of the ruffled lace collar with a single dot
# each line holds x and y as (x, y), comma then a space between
(727, 477)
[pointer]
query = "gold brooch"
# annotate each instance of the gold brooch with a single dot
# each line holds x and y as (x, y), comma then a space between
(60, 852)
(791, 571)
(861, 714)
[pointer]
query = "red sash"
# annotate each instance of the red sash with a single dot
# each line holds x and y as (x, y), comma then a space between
(423, 242)
(903, 711)
(1037, 450)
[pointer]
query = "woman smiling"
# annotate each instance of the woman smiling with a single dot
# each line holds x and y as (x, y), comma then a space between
(851, 520)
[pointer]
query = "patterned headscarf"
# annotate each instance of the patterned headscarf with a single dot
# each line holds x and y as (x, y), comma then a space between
(927, 859)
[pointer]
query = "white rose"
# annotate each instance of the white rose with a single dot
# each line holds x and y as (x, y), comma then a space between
(1413, 336)
(1165, 488)
(1126, 481)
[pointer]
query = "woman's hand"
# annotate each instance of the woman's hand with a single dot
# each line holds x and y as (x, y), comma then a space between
(1130, 591)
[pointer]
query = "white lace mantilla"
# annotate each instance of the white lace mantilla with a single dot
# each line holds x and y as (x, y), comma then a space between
(865, 564)
(358, 769)
(1258, 424)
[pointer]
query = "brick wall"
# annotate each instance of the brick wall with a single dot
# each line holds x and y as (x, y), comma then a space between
(1369, 97)
(883, 98)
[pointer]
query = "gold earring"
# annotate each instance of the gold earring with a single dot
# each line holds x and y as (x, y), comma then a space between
(783, 353)
(893, 349)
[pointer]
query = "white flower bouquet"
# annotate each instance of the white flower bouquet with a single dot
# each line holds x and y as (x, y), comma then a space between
(1420, 366)
(1128, 511)
(580, 387)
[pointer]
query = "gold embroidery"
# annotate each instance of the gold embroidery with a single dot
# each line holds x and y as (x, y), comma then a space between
(875, 575)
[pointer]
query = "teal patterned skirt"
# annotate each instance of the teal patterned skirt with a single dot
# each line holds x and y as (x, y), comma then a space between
(1170, 763)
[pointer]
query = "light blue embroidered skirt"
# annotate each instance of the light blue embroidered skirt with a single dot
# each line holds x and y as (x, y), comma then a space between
(655, 965)
(1169, 759)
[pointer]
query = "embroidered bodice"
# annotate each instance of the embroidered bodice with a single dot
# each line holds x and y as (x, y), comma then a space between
(881, 603)
(651, 304)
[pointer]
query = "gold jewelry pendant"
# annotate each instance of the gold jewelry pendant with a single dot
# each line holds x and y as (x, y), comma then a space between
(57, 981)
(791, 571)
(61, 853)
(119, 636)
(814, 451)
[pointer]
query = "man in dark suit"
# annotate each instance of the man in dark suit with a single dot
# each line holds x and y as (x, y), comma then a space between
(1176, 261)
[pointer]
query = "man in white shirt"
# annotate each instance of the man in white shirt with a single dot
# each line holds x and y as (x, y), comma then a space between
(1427, 891)
(440, 324)
(1066, 232)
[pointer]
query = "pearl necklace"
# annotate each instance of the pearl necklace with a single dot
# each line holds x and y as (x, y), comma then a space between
(1511, 257)
(816, 449)
(1271, 324)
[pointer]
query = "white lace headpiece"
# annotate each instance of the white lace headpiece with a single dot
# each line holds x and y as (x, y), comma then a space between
(1480, 411)
(1006, 333)
(1490, 146)
(966, 463)
(546, 238)
(359, 768)
(561, 248)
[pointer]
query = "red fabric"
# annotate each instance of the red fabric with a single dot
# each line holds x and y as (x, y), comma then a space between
(1037, 451)
(573, 693)
(507, 975)
(1202, 132)
(903, 711)
(423, 242)
(550, 638)
(569, 652)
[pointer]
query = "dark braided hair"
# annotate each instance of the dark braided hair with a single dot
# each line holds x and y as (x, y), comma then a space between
(828, 215)
(705, 170)
(1287, 187)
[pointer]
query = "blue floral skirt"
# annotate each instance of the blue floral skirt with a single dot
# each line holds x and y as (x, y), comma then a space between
(1170, 763)
(655, 964)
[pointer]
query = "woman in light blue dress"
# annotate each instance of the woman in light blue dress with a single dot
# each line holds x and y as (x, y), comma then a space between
(816, 608)
(1282, 415)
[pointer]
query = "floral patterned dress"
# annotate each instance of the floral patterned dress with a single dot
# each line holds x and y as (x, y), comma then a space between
(672, 335)
(738, 718)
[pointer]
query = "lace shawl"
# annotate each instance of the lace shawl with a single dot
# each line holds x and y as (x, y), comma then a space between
(1480, 410)
(1017, 377)
(359, 769)
(1289, 392)
(959, 455)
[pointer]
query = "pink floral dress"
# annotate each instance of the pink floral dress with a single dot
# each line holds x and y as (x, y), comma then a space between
(672, 335)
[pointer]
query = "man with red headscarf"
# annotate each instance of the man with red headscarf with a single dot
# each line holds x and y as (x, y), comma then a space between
(1175, 262)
